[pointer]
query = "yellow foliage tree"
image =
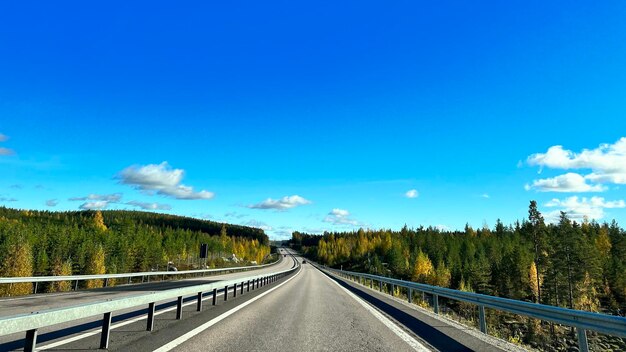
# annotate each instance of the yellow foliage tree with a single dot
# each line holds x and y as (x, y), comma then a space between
(19, 264)
(534, 281)
(587, 298)
(98, 221)
(95, 266)
(423, 270)
(60, 268)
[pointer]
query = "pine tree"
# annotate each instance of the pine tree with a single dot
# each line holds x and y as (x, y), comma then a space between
(537, 228)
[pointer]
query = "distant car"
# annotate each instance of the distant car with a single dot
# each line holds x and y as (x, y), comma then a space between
(303, 261)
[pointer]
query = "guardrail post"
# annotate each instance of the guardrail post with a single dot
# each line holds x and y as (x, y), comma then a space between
(481, 318)
(380, 286)
(214, 296)
(410, 295)
(393, 290)
(35, 289)
(76, 286)
(235, 291)
(199, 303)
(226, 293)
(31, 340)
(371, 283)
(106, 282)
(150, 325)
(248, 286)
(242, 287)
(179, 308)
(436, 303)
(582, 340)
(106, 331)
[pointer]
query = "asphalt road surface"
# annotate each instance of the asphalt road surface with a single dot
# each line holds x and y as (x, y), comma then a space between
(306, 311)
(39, 302)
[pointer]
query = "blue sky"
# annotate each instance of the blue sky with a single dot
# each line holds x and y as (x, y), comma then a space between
(317, 115)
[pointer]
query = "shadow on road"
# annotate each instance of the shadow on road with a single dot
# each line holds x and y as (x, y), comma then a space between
(428, 333)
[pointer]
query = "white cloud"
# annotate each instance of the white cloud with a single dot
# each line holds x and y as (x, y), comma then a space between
(52, 202)
(340, 217)
(6, 151)
(162, 179)
(95, 205)
(258, 224)
(149, 206)
(97, 201)
(442, 228)
(577, 209)
(413, 193)
(485, 195)
(284, 203)
(607, 163)
(110, 198)
(569, 182)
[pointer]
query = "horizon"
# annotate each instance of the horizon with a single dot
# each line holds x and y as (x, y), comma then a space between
(316, 117)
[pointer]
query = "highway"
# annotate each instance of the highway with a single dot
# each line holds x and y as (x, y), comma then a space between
(307, 311)
(39, 302)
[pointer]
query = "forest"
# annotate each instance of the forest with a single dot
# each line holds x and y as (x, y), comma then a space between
(567, 264)
(35, 243)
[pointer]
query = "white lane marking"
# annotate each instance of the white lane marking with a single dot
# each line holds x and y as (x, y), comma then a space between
(383, 319)
(180, 340)
(119, 325)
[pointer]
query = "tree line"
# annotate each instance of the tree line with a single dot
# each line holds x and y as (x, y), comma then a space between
(36, 243)
(567, 264)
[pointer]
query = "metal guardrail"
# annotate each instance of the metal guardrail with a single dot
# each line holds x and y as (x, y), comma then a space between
(581, 320)
(30, 323)
(77, 278)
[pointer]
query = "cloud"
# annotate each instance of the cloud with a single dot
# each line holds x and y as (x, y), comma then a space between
(52, 202)
(258, 224)
(111, 198)
(442, 228)
(284, 203)
(413, 193)
(607, 164)
(340, 217)
(235, 215)
(485, 195)
(578, 209)
(569, 182)
(97, 201)
(95, 205)
(6, 199)
(149, 206)
(6, 151)
(16, 186)
(162, 179)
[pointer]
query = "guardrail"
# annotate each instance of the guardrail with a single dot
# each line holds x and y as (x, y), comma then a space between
(581, 320)
(77, 278)
(30, 323)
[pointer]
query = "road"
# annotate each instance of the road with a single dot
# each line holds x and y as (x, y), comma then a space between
(39, 302)
(306, 311)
